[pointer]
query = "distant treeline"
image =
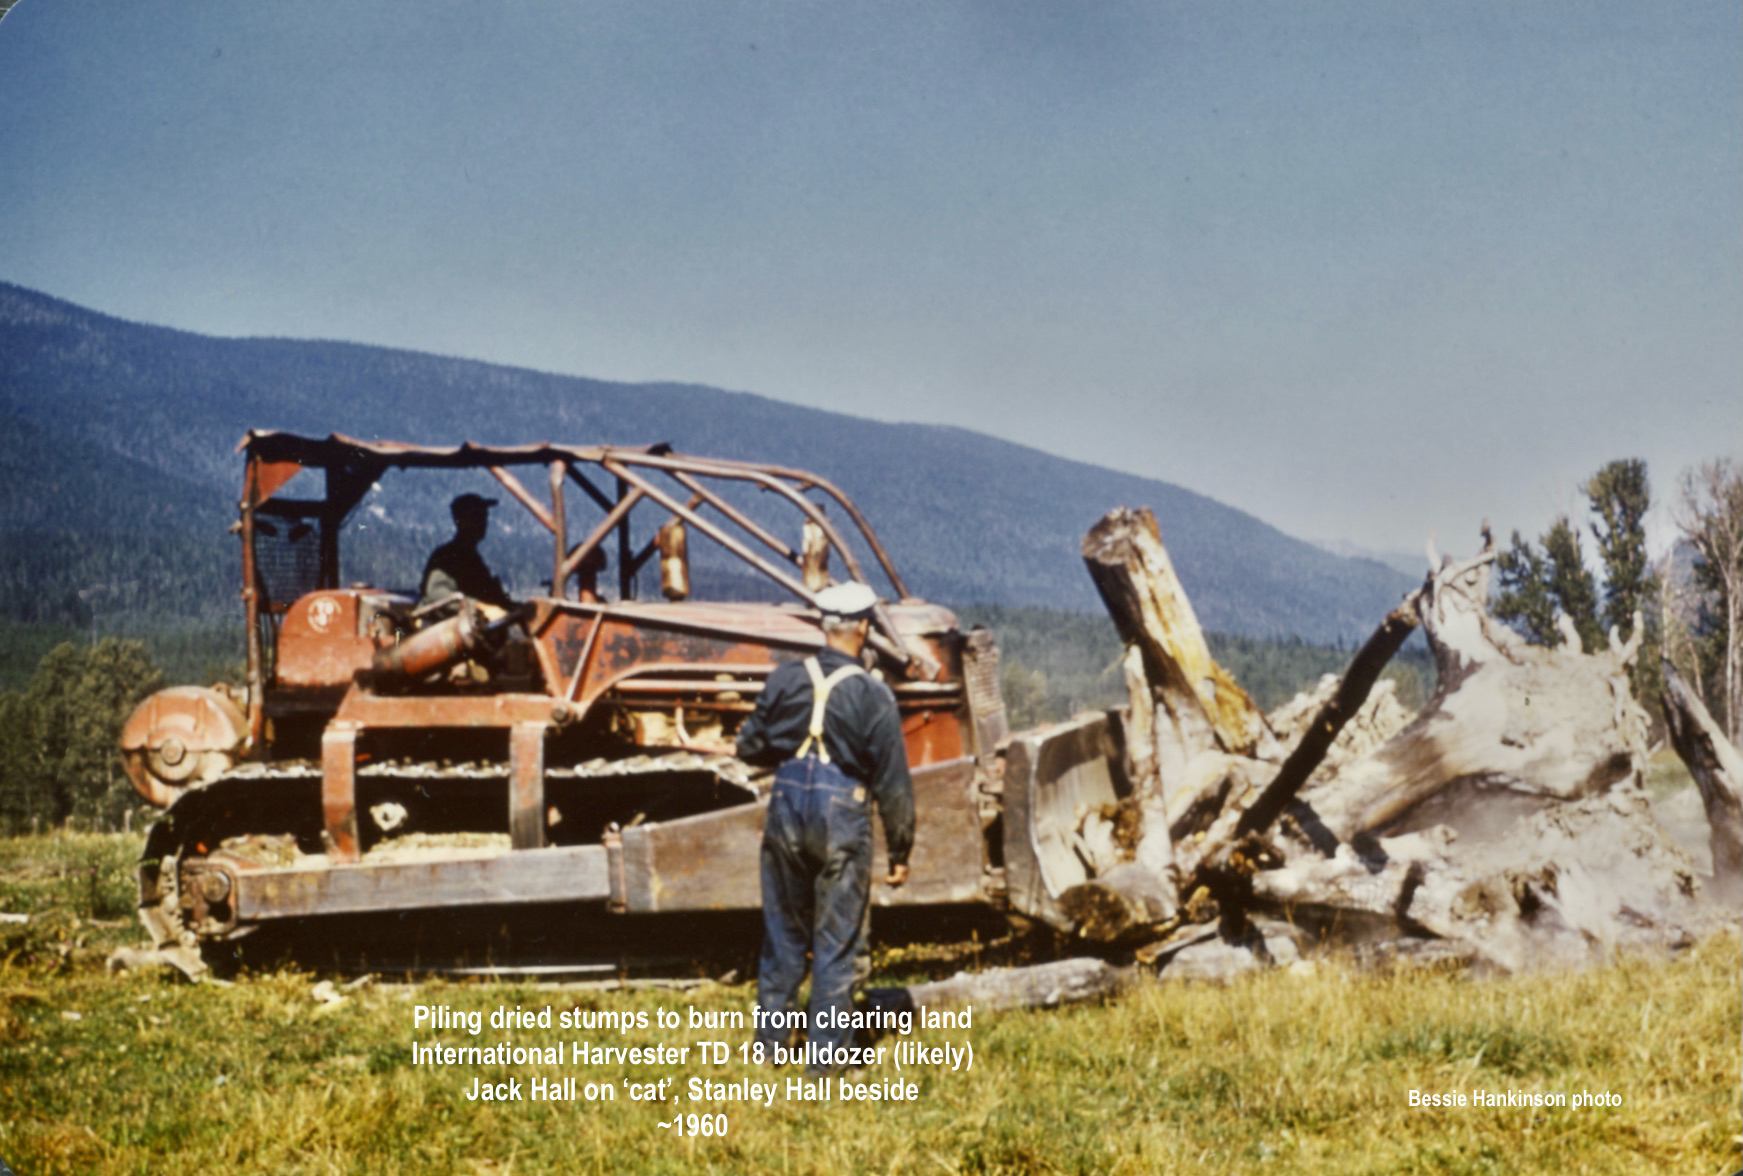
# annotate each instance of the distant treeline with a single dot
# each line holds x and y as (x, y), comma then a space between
(1055, 663)
(64, 691)
(64, 578)
(186, 652)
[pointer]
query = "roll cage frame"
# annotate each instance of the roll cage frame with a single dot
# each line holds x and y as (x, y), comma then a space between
(352, 466)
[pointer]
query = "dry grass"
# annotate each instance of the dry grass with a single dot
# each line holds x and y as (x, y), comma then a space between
(1309, 1070)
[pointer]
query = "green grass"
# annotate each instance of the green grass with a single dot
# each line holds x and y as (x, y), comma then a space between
(1667, 774)
(1306, 1071)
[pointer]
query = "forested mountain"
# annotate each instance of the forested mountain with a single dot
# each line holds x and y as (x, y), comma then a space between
(118, 437)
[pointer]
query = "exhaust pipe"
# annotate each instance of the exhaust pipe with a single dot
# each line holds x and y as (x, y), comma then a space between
(433, 648)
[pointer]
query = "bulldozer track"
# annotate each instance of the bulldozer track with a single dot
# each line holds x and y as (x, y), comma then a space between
(728, 768)
(165, 916)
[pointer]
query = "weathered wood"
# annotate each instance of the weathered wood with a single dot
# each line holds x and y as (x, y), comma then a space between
(1218, 957)
(1142, 746)
(1039, 986)
(1136, 579)
(1115, 903)
(1134, 900)
(1381, 717)
(1245, 816)
(1166, 650)
(185, 960)
(1716, 767)
(1558, 887)
(1552, 723)
(1352, 692)
(1189, 725)
(1507, 820)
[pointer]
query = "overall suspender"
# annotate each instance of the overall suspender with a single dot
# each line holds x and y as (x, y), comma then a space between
(820, 688)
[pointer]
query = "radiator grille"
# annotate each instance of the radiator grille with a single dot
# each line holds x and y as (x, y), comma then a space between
(287, 559)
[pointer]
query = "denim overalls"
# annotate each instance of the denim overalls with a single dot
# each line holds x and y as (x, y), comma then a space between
(816, 877)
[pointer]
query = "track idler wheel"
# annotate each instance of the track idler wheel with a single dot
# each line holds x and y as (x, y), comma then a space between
(181, 738)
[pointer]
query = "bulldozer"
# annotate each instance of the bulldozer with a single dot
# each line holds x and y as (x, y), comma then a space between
(388, 756)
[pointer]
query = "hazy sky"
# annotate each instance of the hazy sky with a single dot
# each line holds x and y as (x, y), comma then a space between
(1369, 270)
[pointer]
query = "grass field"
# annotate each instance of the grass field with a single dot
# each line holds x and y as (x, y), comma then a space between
(1306, 1071)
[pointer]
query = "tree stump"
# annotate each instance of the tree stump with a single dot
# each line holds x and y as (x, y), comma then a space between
(1717, 769)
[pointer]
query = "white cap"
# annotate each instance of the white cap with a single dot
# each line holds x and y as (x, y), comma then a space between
(850, 601)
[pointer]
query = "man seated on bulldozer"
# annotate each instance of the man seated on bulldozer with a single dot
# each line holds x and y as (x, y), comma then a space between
(456, 569)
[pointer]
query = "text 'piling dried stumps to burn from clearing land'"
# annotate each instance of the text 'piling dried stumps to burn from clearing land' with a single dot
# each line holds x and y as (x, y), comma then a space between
(679, 1060)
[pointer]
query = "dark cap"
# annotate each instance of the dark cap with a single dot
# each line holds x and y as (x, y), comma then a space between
(466, 502)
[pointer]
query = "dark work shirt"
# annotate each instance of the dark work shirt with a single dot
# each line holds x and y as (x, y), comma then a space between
(861, 728)
(456, 566)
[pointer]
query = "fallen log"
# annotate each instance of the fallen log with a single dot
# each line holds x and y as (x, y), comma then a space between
(1352, 692)
(1039, 986)
(1218, 957)
(1125, 898)
(1716, 767)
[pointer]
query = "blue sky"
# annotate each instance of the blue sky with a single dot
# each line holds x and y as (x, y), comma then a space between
(1370, 271)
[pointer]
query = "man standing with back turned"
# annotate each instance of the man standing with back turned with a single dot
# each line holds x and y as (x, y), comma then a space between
(836, 733)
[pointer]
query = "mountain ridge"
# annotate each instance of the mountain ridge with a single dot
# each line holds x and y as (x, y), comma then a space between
(967, 517)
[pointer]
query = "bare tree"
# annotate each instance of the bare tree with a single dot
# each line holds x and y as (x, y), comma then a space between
(1710, 516)
(1678, 610)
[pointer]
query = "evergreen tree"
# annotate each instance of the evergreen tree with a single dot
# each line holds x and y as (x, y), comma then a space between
(24, 800)
(1620, 496)
(1571, 583)
(58, 754)
(1524, 599)
(1538, 584)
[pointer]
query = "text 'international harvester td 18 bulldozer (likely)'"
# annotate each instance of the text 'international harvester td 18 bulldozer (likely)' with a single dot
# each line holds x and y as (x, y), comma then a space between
(386, 757)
